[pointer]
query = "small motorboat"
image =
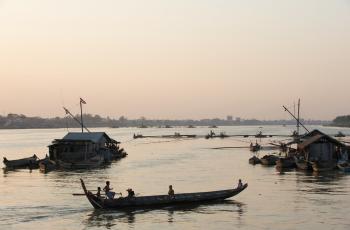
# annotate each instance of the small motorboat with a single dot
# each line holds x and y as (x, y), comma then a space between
(30, 162)
(159, 200)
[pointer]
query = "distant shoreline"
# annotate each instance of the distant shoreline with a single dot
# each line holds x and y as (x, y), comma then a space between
(16, 121)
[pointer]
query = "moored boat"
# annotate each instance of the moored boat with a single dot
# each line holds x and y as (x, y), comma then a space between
(159, 200)
(269, 160)
(30, 162)
(254, 160)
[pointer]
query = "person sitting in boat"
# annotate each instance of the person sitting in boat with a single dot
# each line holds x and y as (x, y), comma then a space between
(98, 194)
(171, 191)
(108, 192)
(240, 184)
(131, 192)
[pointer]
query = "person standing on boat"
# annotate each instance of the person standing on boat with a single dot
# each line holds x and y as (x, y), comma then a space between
(171, 191)
(240, 184)
(108, 192)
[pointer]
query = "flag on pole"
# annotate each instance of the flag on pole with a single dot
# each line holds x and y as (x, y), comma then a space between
(82, 101)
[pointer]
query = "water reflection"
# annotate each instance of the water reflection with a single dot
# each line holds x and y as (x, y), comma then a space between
(330, 183)
(110, 218)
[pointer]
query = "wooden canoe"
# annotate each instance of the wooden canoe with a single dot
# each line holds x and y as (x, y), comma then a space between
(21, 163)
(159, 200)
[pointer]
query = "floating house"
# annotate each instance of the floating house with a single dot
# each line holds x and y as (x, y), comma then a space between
(321, 151)
(84, 150)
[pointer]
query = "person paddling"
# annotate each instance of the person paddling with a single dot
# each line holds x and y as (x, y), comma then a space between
(108, 192)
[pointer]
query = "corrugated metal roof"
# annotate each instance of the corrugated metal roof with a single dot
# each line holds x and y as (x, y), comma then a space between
(309, 141)
(317, 135)
(93, 136)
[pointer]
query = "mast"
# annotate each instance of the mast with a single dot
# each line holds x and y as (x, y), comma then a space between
(298, 121)
(81, 114)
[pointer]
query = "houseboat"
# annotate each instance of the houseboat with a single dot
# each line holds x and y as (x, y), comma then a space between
(84, 150)
(320, 151)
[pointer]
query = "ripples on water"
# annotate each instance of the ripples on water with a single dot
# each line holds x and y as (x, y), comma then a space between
(274, 200)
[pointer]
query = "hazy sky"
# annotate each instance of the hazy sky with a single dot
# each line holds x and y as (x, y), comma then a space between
(175, 59)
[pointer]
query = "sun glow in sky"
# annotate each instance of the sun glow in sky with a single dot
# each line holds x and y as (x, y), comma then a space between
(175, 59)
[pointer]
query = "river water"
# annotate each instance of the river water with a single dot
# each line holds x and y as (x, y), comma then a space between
(273, 200)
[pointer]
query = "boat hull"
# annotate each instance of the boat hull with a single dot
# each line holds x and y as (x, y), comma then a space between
(160, 200)
(31, 162)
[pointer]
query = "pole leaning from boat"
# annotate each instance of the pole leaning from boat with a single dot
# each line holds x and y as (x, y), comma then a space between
(68, 112)
(298, 120)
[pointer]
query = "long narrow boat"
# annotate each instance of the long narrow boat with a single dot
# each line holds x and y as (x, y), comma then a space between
(21, 163)
(159, 200)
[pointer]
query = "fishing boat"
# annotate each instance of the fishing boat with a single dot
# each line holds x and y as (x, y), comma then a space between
(322, 166)
(269, 160)
(285, 162)
(254, 160)
(339, 134)
(21, 163)
(159, 200)
(344, 166)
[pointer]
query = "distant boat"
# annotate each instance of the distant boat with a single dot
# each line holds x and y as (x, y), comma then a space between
(213, 127)
(339, 134)
(159, 200)
(191, 126)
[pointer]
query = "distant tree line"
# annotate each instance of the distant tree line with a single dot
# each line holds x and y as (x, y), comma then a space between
(20, 121)
(341, 121)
